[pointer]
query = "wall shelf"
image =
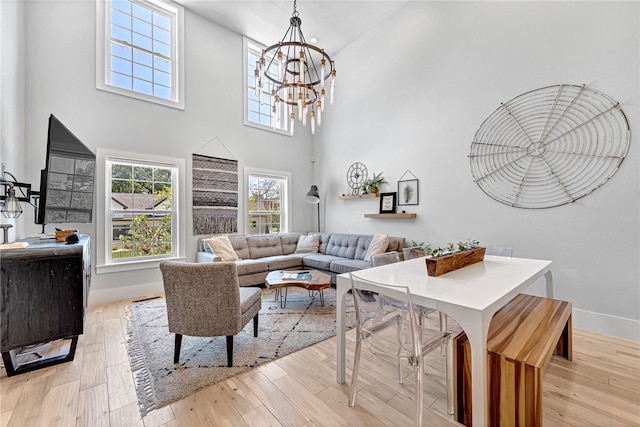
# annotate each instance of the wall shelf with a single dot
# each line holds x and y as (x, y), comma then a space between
(358, 196)
(391, 215)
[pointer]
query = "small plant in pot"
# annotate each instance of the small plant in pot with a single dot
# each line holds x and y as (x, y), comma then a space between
(372, 185)
(453, 256)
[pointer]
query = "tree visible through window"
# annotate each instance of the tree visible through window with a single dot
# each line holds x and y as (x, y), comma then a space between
(142, 212)
(266, 198)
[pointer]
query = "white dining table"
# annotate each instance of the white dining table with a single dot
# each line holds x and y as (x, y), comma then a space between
(470, 295)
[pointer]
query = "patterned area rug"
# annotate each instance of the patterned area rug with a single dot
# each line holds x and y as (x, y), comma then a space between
(203, 361)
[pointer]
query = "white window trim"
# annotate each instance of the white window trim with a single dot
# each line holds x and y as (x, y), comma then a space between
(245, 88)
(285, 204)
(102, 224)
(177, 72)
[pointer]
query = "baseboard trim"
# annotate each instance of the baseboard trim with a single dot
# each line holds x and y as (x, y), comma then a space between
(606, 324)
(103, 296)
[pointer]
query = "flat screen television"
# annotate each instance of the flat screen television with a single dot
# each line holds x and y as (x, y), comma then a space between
(67, 183)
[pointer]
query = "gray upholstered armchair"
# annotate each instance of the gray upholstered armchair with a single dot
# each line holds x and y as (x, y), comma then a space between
(205, 300)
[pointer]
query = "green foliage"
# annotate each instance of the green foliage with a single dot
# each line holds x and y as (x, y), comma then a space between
(452, 248)
(150, 234)
(373, 184)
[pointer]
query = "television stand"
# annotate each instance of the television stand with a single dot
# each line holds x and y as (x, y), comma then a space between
(43, 299)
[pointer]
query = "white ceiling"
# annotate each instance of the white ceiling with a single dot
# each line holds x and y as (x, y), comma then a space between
(335, 23)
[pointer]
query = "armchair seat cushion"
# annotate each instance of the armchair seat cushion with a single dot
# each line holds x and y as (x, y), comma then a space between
(250, 303)
(282, 262)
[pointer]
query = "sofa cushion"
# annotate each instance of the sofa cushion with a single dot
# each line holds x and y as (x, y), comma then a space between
(239, 244)
(289, 242)
(319, 261)
(395, 244)
(378, 245)
(264, 245)
(308, 244)
(282, 262)
(324, 242)
(250, 266)
(343, 245)
(221, 245)
(343, 265)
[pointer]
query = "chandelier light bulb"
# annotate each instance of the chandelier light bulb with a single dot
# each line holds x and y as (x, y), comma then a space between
(313, 122)
(319, 115)
(292, 122)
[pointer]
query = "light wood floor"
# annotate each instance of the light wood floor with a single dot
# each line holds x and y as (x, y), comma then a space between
(599, 388)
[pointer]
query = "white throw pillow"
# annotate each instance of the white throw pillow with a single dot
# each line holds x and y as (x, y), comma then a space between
(378, 245)
(308, 244)
(222, 247)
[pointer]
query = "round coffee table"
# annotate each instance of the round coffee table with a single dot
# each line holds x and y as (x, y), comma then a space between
(318, 283)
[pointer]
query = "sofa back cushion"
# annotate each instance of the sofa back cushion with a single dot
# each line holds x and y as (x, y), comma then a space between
(264, 245)
(324, 242)
(395, 244)
(343, 245)
(239, 244)
(289, 242)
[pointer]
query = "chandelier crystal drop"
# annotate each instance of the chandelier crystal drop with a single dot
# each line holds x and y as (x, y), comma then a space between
(298, 71)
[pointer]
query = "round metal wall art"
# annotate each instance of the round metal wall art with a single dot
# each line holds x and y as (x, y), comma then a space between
(549, 147)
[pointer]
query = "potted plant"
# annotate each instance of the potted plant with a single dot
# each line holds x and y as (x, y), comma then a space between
(415, 250)
(372, 185)
(453, 256)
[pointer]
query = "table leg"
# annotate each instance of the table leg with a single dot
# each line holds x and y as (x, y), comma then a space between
(549, 282)
(341, 291)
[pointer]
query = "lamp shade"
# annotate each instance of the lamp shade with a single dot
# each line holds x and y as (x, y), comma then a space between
(11, 208)
(313, 196)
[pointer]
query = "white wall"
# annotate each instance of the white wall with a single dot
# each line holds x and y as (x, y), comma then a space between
(413, 92)
(60, 79)
(12, 152)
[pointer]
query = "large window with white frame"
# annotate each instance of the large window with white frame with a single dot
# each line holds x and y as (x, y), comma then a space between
(267, 201)
(258, 108)
(140, 50)
(142, 210)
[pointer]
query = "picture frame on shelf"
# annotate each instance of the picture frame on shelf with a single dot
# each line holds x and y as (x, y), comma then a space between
(388, 202)
(408, 192)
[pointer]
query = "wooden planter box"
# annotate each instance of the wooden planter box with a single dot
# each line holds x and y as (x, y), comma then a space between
(445, 264)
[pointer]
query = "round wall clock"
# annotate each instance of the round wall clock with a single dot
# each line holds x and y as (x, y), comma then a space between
(356, 175)
(549, 147)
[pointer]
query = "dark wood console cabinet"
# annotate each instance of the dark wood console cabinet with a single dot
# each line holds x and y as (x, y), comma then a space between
(44, 293)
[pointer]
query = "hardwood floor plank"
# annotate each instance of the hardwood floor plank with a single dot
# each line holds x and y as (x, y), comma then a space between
(261, 416)
(94, 369)
(120, 386)
(209, 406)
(126, 416)
(277, 402)
(159, 417)
(307, 402)
(240, 395)
(60, 405)
(28, 409)
(93, 407)
(115, 347)
(10, 390)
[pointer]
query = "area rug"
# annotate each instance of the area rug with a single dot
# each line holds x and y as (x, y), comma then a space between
(203, 361)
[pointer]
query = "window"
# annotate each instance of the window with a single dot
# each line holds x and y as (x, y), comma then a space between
(139, 50)
(256, 113)
(267, 201)
(142, 209)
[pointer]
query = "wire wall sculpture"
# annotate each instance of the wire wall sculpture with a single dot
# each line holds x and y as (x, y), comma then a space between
(549, 147)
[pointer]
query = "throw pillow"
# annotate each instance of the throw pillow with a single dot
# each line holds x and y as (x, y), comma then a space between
(308, 244)
(221, 246)
(378, 245)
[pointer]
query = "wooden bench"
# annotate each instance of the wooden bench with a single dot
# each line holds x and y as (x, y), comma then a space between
(522, 337)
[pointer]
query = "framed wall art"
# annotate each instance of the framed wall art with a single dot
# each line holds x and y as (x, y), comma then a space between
(408, 192)
(388, 202)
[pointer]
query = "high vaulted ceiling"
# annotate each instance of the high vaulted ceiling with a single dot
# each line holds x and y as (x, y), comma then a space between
(335, 23)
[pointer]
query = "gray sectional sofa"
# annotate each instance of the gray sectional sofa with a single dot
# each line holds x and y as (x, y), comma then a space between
(259, 254)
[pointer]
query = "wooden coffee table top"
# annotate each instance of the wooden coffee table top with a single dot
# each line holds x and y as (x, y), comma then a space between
(318, 280)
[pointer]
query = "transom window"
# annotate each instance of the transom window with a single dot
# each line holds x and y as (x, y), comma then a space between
(267, 202)
(141, 42)
(258, 111)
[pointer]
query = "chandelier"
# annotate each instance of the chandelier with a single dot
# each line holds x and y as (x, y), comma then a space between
(297, 72)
